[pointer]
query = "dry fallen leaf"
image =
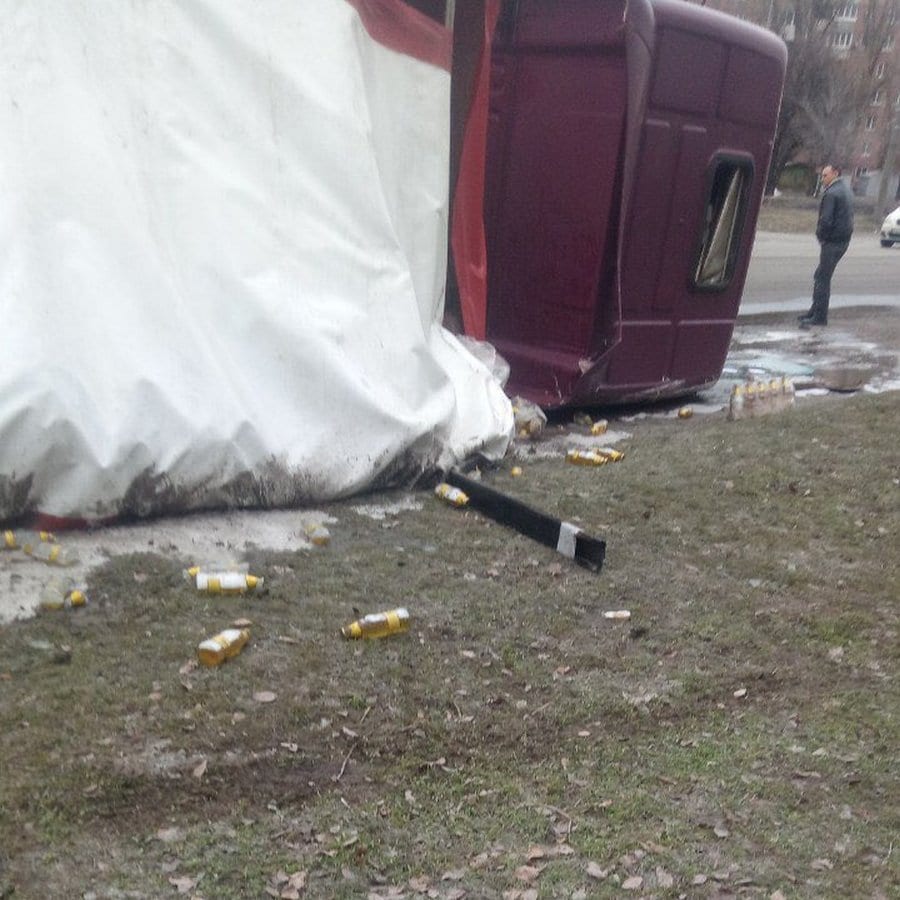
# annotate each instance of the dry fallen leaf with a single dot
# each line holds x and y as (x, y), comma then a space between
(663, 878)
(419, 883)
(188, 667)
(595, 871)
(183, 884)
(264, 696)
(634, 883)
(739, 693)
(721, 831)
(241, 623)
(699, 879)
(200, 770)
(822, 865)
(454, 875)
(528, 873)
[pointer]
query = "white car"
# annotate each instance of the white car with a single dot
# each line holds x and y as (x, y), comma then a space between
(890, 229)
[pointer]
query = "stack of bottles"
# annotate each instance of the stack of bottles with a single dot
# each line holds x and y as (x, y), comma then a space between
(759, 398)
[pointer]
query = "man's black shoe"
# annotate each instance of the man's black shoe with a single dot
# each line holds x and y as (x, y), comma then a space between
(806, 315)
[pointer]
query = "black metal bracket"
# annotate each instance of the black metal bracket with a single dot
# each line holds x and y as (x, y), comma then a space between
(564, 537)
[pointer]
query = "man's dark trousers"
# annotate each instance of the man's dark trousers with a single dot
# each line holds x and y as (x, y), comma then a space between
(829, 256)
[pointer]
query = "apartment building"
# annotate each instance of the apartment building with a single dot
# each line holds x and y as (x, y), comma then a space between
(865, 34)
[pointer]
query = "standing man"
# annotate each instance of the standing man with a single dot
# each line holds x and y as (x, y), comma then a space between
(833, 231)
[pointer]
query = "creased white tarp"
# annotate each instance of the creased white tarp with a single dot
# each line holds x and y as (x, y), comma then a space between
(222, 257)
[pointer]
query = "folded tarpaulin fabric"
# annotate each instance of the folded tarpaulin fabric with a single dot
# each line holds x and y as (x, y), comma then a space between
(223, 235)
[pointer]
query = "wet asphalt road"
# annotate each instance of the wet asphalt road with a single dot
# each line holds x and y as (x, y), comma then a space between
(782, 266)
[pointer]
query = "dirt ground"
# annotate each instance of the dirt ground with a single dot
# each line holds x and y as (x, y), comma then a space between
(736, 736)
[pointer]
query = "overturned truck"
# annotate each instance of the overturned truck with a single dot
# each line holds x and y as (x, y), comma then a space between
(626, 150)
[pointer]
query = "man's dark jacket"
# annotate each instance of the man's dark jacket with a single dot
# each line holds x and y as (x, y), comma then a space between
(835, 214)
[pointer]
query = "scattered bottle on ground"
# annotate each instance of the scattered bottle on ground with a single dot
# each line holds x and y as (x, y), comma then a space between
(599, 427)
(225, 645)
(52, 554)
(685, 412)
(377, 625)
(22, 540)
(226, 582)
(452, 495)
(59, 594)
(597, 457)
(586, 458)
(318, 534)
(529, 418)
(617, 614)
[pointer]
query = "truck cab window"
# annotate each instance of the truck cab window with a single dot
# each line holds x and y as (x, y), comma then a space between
(723, 220)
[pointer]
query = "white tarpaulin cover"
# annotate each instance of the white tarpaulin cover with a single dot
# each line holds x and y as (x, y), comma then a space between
(222, 257)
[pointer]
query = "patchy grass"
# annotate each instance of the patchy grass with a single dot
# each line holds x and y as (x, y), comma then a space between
(738, 735)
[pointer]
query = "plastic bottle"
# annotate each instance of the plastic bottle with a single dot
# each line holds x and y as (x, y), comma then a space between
(225, 645)
(599, 427)
(452, 495)
(378, 625)
(736, 403)
(685, 412)
(59, 594)
(214, 568)
(52, 554)
(750, 400)
(21, 540)
(587, 458)
(227, 582)
(612, 455)
(318, 534)
(787, 390)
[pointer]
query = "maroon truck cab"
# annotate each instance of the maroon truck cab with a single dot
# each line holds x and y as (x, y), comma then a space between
(627, 149)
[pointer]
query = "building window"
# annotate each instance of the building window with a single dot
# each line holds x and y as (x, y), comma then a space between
(878, 97)
(870, 123)
(861, 170)
(723, 220)
(843, 40)
(880, 68)
(847, 13)
(866, 149)
(888, 43)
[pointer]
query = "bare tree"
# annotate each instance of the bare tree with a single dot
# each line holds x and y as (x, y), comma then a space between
(832, 75)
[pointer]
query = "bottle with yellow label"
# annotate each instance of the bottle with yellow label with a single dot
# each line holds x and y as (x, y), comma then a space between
(378, 625)
(586, 458)
(52, 554)
(452, 495)
(22, 540)
(227, 582)
(59, 594)
(317, 534)
(225, 645)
